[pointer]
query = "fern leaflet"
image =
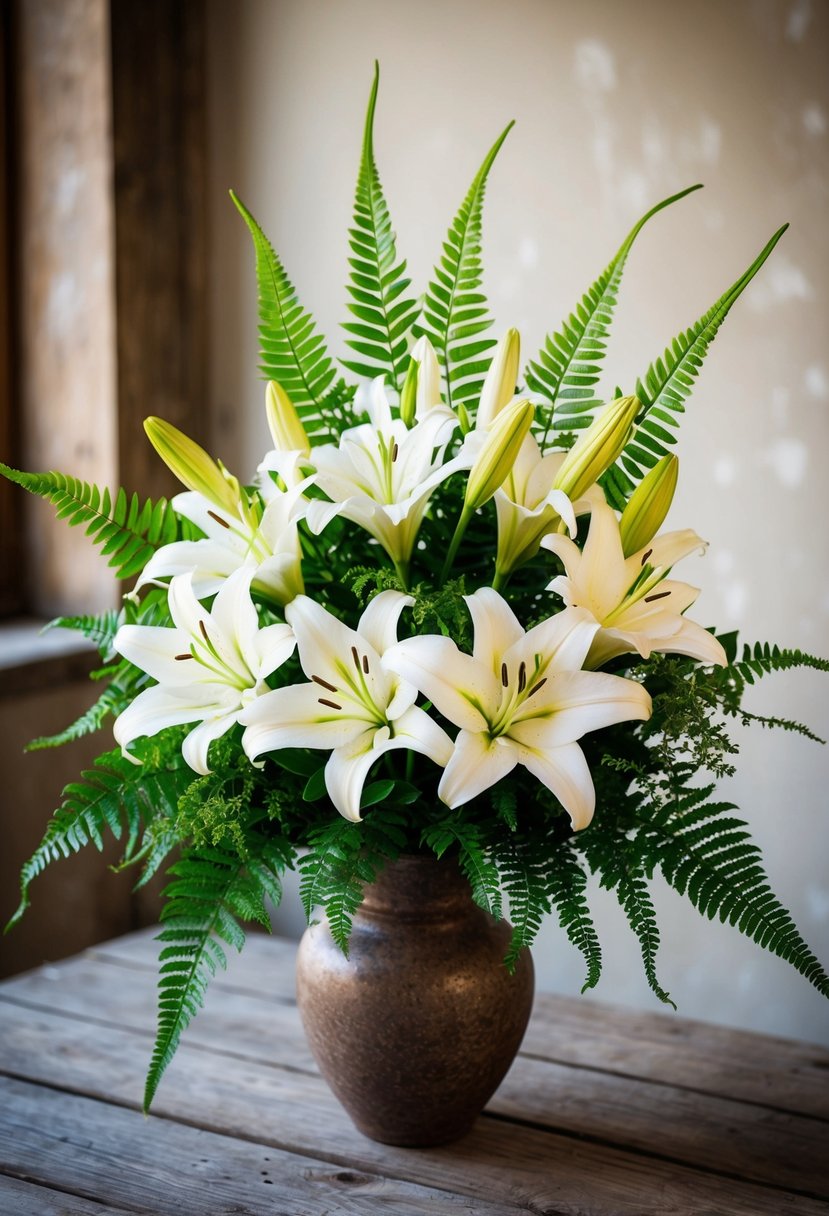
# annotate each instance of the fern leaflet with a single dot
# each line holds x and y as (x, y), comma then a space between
(384, 313)
(100, 629)
(567, 366)
(128, 531)
(291, 350)
(567, 881)
(455, 310)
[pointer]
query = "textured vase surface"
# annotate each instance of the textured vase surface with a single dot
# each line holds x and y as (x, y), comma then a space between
(415, 1030)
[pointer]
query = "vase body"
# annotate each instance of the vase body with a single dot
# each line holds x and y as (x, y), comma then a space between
(415, 1030)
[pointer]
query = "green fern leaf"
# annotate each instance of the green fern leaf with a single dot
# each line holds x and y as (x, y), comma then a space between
(475, 864)
(567, 883)
(634, 897)
(763, 658)
(128, 531)
(667, 385)
(522, 863)
(291, 350)
(455, 312)
(709, 857)
(111, 701)
(567, 366)
(100, 629)
(116, 795)
(384, 312)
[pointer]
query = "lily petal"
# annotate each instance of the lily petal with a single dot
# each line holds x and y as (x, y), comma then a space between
(497, 628)
(154, 649)
(295, 716)
(578, 702)
(477, 763)
(565, 772)
(195, 747)
(275, 645)
(378, 624)
(156, 708)
(462, 690)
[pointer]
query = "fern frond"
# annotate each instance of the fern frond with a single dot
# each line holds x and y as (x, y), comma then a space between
(384, 312)
(210, 893)
(667, 385)
(522, 863)
(292, 352)
(637, 905)
(128, 530)
(710, 857)
(763, 658)
(567, 883)
(567, 366)
(111, 701)
(475, 864)
(113, 794)
(455, 310)
(100, 629)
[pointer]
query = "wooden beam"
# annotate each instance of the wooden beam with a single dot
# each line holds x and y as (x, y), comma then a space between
(159, 162)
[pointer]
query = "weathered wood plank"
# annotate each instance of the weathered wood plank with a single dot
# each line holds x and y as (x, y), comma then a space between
(748, 1141)
(740, 1065)
(18, 1198)
(521, 1166)
(161, 1167)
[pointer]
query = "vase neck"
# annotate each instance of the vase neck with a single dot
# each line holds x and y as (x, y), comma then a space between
(417, 887)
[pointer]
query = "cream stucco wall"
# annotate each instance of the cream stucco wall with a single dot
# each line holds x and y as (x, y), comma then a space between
(618, 103)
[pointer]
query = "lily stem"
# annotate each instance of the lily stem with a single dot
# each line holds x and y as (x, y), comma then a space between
(402, 569)
(500, 580)
(460, 529)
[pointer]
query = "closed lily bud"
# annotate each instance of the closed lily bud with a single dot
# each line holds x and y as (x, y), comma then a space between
(499, 452)
(192, 465)
(499, 385)
(598, 448)
(408, 393)
(428, 377)
(286, 429)
(649, 504)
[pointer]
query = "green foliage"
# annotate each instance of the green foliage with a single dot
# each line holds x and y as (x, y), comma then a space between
(567, 366)
(522, 859)
(210, 893)
(128, 531)
(667, 385)
(384, 312)
(475, 864)
(343, 856)
(292, 352)
(111, 701)
(99, 629)
(114, 794)
(567, 883)
(455, 309)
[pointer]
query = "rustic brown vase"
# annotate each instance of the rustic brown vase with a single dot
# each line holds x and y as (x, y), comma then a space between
(415, 1030)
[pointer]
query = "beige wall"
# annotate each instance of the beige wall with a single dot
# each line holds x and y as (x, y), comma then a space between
(618, 103)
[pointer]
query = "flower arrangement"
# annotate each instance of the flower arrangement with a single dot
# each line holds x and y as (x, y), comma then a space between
(443, 617)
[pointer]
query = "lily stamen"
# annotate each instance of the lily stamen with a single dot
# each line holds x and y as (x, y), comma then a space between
(331, 704)
(219, 519)
(355, 657)
(645, 556)
(179, 657)
(660, 595)
(504, 675)
(365, 663)
(325, 684)
(522, 676)
(536, 687)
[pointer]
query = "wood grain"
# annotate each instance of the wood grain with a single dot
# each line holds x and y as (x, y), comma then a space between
(18, 1198)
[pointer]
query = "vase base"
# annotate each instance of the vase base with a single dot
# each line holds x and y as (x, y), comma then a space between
(415, 1139)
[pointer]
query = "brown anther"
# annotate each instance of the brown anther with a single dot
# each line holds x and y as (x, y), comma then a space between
(330, 704)
(536, 687)
(394, 450)
(660, 595)
(504, 675)
(365, 663)
(355, 657)
(522, 677)
(218, 519)
(645, 556)
(179, 657)
(324, 683)
(204, 633)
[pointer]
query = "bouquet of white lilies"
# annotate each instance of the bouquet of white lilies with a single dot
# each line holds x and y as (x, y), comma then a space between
(441, 618)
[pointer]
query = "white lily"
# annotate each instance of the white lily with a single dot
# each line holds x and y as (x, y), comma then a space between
(208, 666)
(381, 474)
(528, 507)
(519, 698)
(638, 609)
(353, 703)
(269, 548)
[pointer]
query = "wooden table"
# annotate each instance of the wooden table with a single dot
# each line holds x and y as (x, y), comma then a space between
(604, 1111)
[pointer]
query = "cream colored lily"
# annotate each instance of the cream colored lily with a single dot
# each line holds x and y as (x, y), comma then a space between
(382, 473)
(638, 609)
(264, 541)
(519, 698)
(354, 704)
(208, 666)
(500, 381)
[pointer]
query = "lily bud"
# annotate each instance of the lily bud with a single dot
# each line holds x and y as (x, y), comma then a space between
(408, 393)
(649, 504)
(286, 429)
(428, 377)
(192, 465)
(598, 448)
(499, 385)
(499, 452)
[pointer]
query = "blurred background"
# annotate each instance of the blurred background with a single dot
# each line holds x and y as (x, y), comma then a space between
(128, 289)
